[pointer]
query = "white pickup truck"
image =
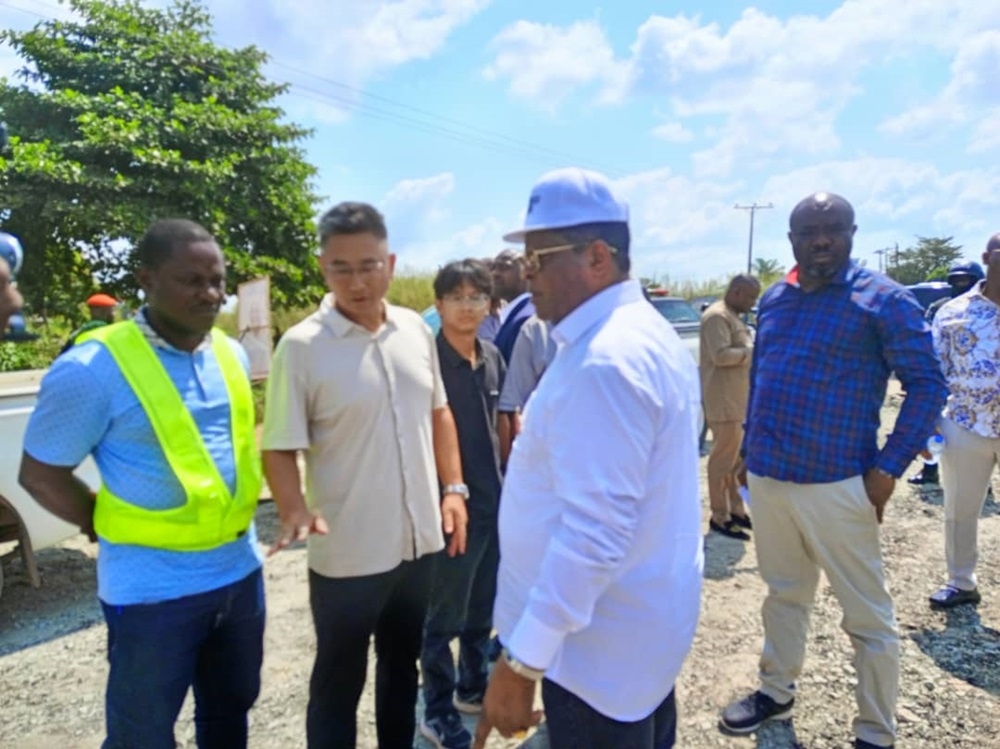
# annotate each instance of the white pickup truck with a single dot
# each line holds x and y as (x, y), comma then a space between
(21, 518)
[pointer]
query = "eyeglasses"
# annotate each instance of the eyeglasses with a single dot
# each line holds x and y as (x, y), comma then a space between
(474, 301)
(344, 272)
(532, 258)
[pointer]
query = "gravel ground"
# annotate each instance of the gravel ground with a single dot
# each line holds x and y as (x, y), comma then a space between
(53, 668)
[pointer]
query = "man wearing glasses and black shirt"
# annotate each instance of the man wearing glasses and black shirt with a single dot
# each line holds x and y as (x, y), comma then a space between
(464, 586)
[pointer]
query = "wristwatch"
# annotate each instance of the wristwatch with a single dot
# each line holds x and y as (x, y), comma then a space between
(460, 489)
(529, 673)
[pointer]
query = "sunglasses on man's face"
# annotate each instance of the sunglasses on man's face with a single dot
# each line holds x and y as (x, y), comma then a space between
(532, 259)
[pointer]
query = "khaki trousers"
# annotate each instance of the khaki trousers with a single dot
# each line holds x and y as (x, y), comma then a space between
(966, 468)
(723, 497)
(800, 529)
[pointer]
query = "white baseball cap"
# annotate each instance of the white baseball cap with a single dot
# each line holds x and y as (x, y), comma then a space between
(570, 197)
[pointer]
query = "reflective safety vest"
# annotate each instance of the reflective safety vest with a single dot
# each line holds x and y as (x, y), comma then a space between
(211, 516)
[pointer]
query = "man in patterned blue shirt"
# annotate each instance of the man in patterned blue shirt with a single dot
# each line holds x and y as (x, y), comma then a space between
(828, 337)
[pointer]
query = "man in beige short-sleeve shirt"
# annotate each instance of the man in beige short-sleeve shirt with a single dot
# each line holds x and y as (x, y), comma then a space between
(357, 387)
(726, 353)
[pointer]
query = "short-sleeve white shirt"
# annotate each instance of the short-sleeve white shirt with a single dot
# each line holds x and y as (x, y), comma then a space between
(359, 404)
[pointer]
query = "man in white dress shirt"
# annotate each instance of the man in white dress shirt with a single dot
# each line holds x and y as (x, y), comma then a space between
(600, 552)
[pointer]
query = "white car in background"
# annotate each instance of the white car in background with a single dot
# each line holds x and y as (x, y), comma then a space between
(685, 319)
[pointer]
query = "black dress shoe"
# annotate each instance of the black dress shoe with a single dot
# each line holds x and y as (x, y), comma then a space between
(929, 474)
(949, 597)
(730, 530)
(743, 521)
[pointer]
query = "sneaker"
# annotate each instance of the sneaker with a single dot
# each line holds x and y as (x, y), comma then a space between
(731, 530)
(469, 705)
(496, 648)
(746, 715)
(862, 744)
(447, 732)
(949, 596)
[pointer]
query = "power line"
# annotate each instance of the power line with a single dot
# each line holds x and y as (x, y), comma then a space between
(542, 150)
(29, 12)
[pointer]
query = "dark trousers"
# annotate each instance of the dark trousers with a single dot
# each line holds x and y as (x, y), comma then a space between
(210, 641)
(346, 613)
(461, 606)
(573, 724)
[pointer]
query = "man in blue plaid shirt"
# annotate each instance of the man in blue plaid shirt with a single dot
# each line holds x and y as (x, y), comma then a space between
(828, 337)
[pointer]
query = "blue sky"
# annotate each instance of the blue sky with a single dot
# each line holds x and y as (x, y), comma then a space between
(444, 112)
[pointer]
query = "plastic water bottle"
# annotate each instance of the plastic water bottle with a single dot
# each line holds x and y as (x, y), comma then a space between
(935, 446)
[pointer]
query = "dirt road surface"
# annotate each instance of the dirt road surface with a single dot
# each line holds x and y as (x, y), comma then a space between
(53, 667)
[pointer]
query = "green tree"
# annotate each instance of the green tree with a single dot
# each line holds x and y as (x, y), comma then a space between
(767, 270)
(130, 113)
(924, 261)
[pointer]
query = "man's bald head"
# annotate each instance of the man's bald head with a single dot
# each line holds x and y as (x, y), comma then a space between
(742, 293)
(991, 258)
(742, 281)
(821, 202)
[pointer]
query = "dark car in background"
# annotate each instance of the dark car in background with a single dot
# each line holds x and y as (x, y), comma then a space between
(929, 292)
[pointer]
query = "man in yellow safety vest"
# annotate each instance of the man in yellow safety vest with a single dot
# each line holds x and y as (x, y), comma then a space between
(163, 404)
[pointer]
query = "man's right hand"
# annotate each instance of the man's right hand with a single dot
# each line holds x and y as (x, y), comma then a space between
(297, 526)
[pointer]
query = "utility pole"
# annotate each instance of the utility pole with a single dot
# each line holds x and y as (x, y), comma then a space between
(753, 208)
(881, 254)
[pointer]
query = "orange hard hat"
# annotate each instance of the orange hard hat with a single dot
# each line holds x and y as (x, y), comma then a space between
(101, 300)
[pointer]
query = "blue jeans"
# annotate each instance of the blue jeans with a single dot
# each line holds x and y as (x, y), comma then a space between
(461, 606)
(212, 641)
(573, 724)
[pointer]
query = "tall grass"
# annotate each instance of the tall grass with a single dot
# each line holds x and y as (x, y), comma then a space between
(689, 289)
(412, 289)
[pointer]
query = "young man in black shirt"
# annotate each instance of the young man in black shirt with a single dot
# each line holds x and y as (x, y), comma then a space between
(464, 586)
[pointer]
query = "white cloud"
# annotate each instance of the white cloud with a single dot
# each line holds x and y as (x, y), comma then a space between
(417, 212)
(544, 63)
(686, 227)
(415, 209)
(350, 41)
(974, 83)
(775, 86)
(427, 252)
(673, 132)
(428, 190)
(986, 135)
(900, 198)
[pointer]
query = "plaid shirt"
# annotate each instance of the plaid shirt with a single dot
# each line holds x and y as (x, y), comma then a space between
(818, 380)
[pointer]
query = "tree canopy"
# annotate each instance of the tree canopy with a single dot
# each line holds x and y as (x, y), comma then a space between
(126, 114)
(767, 270)
(929, 259)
